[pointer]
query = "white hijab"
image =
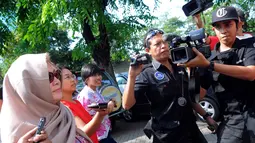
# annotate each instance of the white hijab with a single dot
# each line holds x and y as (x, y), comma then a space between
(27, 97)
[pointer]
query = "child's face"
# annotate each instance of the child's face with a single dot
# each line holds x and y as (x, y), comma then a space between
(94, 81)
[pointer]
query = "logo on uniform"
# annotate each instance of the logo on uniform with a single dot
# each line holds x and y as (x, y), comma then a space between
(221, 12)
(159, 75)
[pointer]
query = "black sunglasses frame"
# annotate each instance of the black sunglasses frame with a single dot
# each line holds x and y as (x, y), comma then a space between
(152, 34)
(56, 74)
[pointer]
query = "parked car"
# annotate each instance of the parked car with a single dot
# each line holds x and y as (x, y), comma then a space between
(109, 89)
(142, 105)
(211, 105)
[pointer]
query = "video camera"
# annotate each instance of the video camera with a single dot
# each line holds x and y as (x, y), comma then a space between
(184, 53)
(196, 6)
(140, 59)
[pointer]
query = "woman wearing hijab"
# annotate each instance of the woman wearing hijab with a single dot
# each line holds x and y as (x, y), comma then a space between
(83, 119)
(32, 89)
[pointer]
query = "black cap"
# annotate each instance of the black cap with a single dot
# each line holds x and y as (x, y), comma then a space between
(224, 13)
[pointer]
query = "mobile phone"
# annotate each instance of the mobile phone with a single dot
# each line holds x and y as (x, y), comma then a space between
(98, 105)
(40, 125)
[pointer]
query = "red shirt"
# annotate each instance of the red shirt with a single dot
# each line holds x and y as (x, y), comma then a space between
(213, 41)
(80, 112)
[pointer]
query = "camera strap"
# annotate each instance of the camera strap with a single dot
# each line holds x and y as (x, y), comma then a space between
(214, 54)
(181, 100)
(194, 83)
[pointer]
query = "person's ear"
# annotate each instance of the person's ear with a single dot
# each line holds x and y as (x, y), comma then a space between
(85, 81)
(242, 23)
(147, 50)
(213, 29)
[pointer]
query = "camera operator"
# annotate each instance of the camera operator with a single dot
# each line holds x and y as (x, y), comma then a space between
(233, 72)
(166, 87)
(213, 40)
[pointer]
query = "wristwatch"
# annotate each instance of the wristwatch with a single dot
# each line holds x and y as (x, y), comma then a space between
(211, 66)
(206, 115)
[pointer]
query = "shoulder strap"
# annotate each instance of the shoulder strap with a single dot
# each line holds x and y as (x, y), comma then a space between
(214, 54)
(169, 106)
(242, 52)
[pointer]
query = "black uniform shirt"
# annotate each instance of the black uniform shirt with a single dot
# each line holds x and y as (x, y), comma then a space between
(163, 89)
(234, 94)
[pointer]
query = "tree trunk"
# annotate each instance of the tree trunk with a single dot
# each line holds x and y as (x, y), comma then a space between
(101, 50)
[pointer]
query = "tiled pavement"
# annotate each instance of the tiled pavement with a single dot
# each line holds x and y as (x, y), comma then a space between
(125, 132)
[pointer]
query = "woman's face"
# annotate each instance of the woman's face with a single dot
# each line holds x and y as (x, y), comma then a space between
(55, 84)
(68, 81)
(94, 81)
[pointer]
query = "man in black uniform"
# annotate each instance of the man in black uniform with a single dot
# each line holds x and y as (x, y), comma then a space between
(166, 87)
(232, 68)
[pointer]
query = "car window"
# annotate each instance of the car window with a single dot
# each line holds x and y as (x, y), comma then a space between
(105, 80)
(121, 80)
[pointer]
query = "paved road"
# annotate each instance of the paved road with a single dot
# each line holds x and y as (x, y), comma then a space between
(125, 132)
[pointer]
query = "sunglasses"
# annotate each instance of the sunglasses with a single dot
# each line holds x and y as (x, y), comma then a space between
(152, 34)
(56, 74)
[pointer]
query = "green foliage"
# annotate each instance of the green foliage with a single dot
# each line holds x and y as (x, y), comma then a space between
(81, 51)
(17, 49)
(64, 57)
(42, 17)
(189, 25)
(207, 20)
(6, 64)
(247, 6)
(251, 26)
(38, 26)
(7, 16)
(5, 34)
(33, 26)
(58, 48)
(174, 25)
